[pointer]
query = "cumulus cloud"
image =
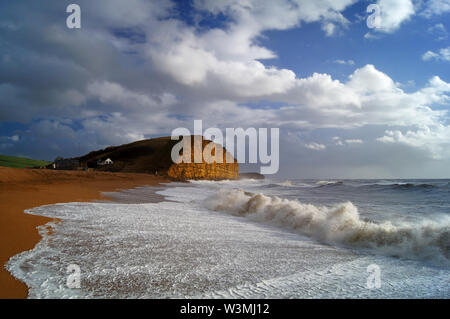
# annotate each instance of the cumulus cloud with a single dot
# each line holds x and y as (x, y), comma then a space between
(349, 62)
(442, 55)
(138, 70)
(315, 146)
(329, 28)
(436, 7)
(369, 79)
(434, 139)
(340, 142)
(393, 13)
(259, 15)
(439, 30)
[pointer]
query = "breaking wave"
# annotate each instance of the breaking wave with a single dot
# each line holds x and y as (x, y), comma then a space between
(329, 183)
(286, 183)
(289, 183)
(406, 186)
(339, 224)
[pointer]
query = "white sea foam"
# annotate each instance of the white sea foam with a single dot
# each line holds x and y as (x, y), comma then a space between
(181, 249)
(323, 183)
(234, 183)
(348, 280)
(286, 183)
(339, 224)
(162, 250)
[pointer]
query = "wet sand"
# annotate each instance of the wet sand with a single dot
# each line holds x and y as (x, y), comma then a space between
(22, 189)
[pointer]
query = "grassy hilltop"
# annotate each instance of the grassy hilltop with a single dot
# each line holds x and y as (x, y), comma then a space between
(20, 162)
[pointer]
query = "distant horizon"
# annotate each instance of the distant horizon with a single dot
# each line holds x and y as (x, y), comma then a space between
(291, 178)
(299, 178)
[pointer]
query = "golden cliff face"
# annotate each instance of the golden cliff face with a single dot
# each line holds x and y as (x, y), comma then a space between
(209, 168)
(213, 171)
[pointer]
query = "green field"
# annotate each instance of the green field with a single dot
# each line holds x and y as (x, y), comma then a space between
(20, 162)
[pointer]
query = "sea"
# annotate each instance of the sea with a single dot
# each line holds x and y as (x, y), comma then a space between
(267, 238)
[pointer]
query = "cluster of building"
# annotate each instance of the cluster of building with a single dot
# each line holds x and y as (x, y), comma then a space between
(75, 164)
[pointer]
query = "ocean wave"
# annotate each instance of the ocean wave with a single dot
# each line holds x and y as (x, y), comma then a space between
(412, 186)
(329, 183)
(286, 183)
(243, 182)
(289, 183)
(339, 224)
(403, 186)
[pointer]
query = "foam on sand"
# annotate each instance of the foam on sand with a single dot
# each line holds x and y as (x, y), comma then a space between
(181, 249)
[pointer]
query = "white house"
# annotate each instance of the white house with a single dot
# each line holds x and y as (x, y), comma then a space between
(107, 161)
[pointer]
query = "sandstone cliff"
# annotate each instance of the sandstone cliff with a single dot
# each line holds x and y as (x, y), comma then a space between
(153, 156)
(213, 167)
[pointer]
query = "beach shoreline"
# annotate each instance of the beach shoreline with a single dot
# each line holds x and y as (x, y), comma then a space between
(22, 189)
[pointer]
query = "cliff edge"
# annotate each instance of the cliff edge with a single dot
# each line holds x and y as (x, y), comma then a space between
(153, 156)
(214, 165)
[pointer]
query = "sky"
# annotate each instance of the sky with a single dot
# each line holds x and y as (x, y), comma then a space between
(351, 100)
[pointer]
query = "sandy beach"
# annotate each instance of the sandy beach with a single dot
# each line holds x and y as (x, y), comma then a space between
(22, 189)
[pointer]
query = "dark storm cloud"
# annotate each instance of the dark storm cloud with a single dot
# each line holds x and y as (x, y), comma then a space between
(135, 69)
